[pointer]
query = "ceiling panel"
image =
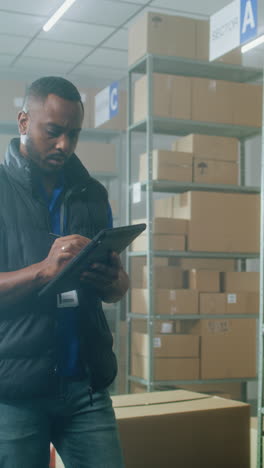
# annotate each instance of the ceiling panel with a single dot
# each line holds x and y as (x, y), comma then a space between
(201, 7)
(101, 12)
(42, 66)
(5, 60)
(118, 41)
(111, 58)
(57, 50)
(12, 44)
(82, 33)
(32, 7)
(24, 25)
(136, 2)
(100, 72)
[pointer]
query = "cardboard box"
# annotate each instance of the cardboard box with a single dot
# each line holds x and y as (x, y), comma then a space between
(204, 280)
(97, 157)
(160, 326)
(166, 225)
(232, 389)
(235, 303)
(174, 302)
(167, 165)
(165, 277)
(160, 242)
(136, 268)
(164, 207)
(220, 222)
(241, 281)
(202, 46)
(206, 171)
(171, 97)
(170, 429)
(209, 147)
(247, 104)
(212, 100)
(166, 368)
(219, 264)
(171, 345)
(228, 348)
(158, 34)
(254, 443)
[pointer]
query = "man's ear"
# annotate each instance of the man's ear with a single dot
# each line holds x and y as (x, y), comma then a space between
(23, 119)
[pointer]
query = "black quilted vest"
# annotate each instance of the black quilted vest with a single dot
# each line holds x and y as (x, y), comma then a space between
(27, 330)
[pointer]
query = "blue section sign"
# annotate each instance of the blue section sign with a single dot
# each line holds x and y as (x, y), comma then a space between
(248, 20)
(113, 99)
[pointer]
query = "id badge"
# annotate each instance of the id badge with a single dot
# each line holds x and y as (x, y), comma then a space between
(67, 299)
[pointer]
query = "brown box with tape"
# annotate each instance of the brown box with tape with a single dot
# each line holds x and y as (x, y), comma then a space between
(174, 302)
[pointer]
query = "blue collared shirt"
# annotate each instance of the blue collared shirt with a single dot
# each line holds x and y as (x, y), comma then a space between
(68, 346)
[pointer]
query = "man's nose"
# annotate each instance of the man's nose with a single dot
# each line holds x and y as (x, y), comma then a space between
(64, 144)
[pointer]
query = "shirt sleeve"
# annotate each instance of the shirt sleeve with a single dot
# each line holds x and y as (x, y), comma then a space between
(109, 216)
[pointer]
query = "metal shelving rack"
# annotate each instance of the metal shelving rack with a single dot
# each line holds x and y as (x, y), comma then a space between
(260, 407)
(167, 126)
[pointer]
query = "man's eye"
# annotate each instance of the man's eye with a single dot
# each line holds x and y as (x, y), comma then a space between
(52, 133)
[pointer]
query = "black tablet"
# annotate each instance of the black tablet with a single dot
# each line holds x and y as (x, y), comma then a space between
(97, 251)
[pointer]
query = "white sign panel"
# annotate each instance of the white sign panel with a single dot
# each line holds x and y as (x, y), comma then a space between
(232, 26)
(106, 104)
(225, 30)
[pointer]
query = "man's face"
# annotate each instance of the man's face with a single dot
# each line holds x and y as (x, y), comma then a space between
(51, 129)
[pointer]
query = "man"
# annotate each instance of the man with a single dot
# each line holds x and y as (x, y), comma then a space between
(56, 358)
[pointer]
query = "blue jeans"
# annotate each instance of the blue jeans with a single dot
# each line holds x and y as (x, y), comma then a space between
(85, 436)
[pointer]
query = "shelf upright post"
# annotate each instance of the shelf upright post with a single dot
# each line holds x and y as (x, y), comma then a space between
(128, 221)
(260, 411)
(149, 208)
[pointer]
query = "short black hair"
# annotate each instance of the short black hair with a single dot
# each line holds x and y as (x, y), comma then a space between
(57, 85)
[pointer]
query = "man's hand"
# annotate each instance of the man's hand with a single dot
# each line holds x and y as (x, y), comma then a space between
(110, 281)
(62, 251)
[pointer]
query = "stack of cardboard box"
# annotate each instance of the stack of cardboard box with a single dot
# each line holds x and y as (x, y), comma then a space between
(223, 348)
(217, 222)
(199, 99)
(174, 36)
(168, 234)
(196, 158)
(181, 97)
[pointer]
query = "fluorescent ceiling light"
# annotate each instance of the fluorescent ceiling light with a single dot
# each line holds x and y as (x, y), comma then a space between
(253, 44)
(58, 14)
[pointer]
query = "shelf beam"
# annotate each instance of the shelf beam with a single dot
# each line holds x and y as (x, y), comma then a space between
(161, 383)
(168, 126)
(170, 186)
(191, 317)
(198, 68)
(188, 254)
